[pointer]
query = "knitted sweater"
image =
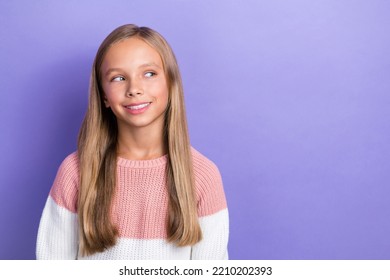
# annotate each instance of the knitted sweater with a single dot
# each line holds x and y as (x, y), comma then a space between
(140, 207)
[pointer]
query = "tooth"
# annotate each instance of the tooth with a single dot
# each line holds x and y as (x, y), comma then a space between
(137, 107)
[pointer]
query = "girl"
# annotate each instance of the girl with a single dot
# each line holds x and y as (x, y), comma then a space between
(135, 188)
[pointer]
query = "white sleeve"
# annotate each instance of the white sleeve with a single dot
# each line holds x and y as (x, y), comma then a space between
(215, 230)
(57, 234)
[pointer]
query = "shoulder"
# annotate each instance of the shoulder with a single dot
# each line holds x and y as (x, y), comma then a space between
(65, 187)
(70, 163)
(69, 169)
(208, 184)
(202, 163)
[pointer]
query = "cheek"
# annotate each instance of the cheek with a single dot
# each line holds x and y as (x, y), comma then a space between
(113, 92)
(160, 93)
(165, 92)
(164, 97)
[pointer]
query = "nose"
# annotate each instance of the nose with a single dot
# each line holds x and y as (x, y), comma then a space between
(135, 88)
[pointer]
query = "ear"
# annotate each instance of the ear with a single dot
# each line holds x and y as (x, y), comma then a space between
(106, 102)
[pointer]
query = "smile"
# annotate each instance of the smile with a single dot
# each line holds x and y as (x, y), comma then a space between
(136, 109)
(138, 106)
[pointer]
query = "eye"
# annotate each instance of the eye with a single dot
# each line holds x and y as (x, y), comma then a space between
(150, 74)
(117, 79)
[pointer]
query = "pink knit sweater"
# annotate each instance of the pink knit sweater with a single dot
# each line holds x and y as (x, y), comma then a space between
(139, 211)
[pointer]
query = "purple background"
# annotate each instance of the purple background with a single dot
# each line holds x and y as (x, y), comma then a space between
(289, 98)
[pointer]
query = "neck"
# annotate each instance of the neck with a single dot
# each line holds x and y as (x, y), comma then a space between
(141, 143)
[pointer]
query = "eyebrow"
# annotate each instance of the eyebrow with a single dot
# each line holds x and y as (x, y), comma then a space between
(141, 66)
(149, 64)
(112, 70)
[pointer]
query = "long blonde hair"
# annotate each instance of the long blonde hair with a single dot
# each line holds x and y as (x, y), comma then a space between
(97, 152)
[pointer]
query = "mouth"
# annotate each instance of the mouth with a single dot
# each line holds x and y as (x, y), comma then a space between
(139, 108)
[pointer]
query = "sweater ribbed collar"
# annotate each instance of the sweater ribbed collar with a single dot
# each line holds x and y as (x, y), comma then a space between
(142, 163)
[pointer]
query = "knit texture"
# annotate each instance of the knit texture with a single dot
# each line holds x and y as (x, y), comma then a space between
(140, 208)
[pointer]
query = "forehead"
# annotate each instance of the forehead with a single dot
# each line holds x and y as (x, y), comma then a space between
(131, 52)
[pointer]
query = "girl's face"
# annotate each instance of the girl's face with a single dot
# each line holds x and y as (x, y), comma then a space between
(134, 84)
